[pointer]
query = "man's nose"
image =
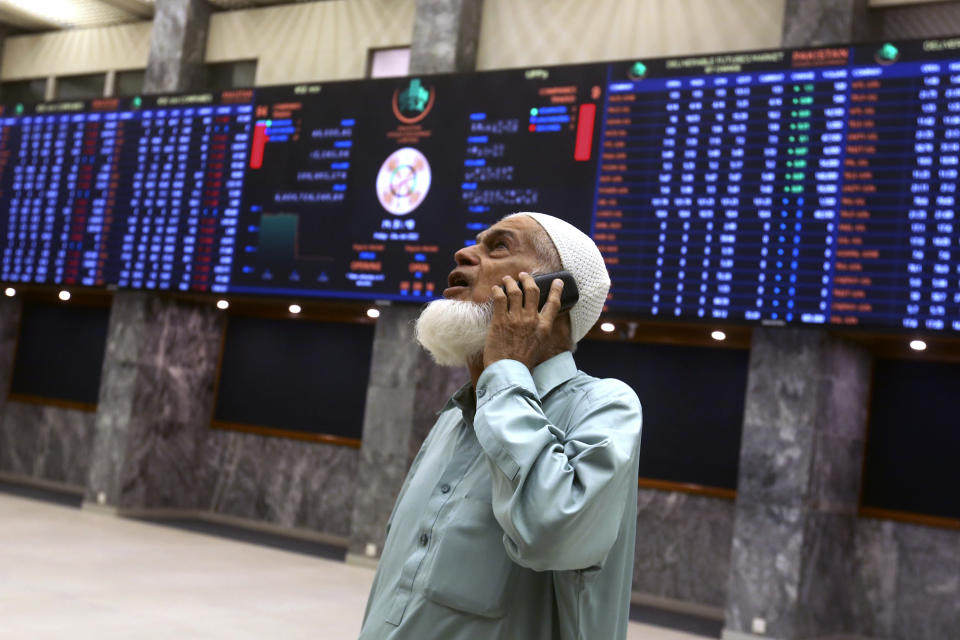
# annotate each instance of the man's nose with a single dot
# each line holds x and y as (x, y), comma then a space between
(466, 255)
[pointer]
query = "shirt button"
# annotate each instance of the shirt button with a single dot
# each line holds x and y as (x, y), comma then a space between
(424, 539)
(445, 489)
(481, 392)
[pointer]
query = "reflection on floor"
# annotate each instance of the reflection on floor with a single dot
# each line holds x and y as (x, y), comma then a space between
(77, 574)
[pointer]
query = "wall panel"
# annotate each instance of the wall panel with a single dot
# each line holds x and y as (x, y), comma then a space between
(74, 51)
(521, 34)
(310, 41)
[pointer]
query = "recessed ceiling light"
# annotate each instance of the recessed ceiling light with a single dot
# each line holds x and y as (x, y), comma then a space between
(607, 327)
(294, 308)
(222, 304)
(373, 313)
(718, 335)
(64, 295)
(918, 345)
(10, 292)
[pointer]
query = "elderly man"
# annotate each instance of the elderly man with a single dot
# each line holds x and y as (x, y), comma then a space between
(518, 516)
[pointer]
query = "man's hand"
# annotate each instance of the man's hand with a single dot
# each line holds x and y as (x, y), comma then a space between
(518, 331)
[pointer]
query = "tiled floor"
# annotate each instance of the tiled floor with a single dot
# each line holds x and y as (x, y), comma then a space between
(66, 573)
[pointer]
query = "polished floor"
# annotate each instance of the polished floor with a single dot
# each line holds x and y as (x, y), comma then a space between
(67, 573)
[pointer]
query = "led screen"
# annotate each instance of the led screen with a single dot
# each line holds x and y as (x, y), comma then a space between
(812, 186)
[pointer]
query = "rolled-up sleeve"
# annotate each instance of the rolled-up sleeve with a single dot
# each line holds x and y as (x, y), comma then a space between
(559, 495)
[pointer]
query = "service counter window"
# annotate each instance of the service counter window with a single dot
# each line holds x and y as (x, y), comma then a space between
(231, 75)
(910, 471)
(129, 83)
(294, 378)
(388, 62)
(693, 400)
(80, 87)
(22, 91)
(59, 354)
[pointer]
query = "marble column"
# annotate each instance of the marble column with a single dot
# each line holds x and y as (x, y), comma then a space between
(406, 388)
(791, 566)
(159, 369)
(155, 403)
(16, 449)
(178, 43)
(405, 392)
(810, 23)
(445, 36)
(3, 39)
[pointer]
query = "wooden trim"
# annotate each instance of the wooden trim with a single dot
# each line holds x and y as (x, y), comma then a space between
(219, 371)
(686, 487)
(43, 483)
(912, 518)
(323, 438)
(52, 402)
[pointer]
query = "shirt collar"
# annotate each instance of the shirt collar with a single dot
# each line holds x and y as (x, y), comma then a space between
(464, 399)
(550, 374)
(547, 376)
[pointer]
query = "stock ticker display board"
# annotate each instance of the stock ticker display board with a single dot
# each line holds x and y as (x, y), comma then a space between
(808, 186)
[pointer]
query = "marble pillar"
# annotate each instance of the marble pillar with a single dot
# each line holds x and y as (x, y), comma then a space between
(159, 369)
(405, 391)
(178, 44)
(804, 427)
(4, 30)
(406, 388)
(810, 23)
(155, 403)
(445, 36)
(15, 453)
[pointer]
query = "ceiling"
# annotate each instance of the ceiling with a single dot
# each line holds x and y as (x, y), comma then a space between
(19, 16)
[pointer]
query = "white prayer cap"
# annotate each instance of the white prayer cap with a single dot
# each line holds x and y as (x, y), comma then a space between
(578, 255)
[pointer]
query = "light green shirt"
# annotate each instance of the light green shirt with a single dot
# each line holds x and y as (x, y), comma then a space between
(517, 520)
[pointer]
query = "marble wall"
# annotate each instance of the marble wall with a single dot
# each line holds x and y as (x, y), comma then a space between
(906, 583)
(46, 443)
(923, 20)
(683, 546)
(288, 483)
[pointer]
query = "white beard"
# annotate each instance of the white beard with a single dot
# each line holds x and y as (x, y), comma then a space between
(453, 331)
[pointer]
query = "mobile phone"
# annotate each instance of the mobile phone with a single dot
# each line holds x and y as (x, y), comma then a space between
(569, 295)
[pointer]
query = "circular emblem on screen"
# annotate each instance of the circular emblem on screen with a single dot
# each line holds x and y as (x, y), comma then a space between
(403, 181)
(412, 103)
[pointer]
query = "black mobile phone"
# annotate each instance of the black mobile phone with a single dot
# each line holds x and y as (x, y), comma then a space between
(569, 295)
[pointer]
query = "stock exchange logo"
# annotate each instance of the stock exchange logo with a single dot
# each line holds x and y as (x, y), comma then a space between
(403, 181)
(413, 103)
